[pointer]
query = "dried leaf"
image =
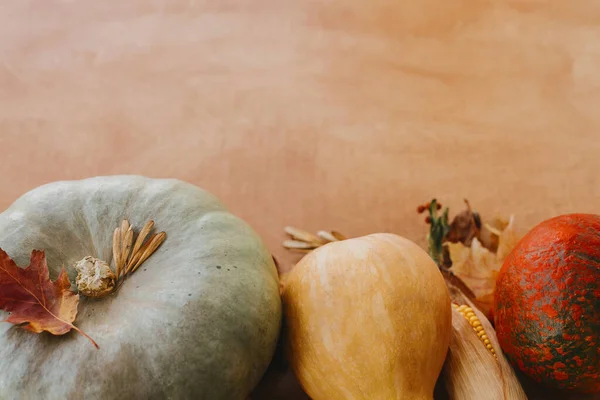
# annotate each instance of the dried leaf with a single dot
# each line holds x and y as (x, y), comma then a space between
(508, 239)
(296, 244)
(478, 267)
(338, 235)
(304, 242)
(303, 236)
(33, 300)
(464, 227)
(490, 233)
(327, 237)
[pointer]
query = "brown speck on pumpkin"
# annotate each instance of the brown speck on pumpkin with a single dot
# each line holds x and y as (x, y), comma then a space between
(218, 267)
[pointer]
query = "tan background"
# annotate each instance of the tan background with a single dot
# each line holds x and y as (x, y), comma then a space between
(338, 114)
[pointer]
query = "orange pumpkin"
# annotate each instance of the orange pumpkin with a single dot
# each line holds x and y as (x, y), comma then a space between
(367, 318)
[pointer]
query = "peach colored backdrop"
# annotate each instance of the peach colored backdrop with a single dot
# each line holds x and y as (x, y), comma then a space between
(338, 114)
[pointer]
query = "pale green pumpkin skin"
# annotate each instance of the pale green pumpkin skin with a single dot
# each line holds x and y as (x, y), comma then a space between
(199, 320)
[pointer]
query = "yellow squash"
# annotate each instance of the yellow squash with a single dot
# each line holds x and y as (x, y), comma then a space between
(367, 318)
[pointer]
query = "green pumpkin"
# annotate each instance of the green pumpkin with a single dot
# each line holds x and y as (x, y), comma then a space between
(199, 320)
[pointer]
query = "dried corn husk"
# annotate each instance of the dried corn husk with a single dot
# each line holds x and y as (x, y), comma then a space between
(471, 371)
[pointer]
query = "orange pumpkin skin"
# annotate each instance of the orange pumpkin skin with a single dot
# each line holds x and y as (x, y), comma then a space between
(547, 304)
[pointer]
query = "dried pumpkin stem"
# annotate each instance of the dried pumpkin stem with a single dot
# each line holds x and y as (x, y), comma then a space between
(96, 279)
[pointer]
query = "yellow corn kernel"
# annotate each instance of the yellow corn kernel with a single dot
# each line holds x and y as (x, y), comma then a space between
(474, 321)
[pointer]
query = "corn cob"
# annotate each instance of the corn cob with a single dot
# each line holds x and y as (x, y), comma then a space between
(468, 313)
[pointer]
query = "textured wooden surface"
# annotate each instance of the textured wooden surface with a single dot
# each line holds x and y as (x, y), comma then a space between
(338, 114)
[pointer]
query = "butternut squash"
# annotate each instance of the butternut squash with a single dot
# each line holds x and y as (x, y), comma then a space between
(367, 318)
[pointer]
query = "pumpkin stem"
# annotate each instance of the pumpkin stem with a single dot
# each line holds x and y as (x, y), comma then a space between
(96, 279)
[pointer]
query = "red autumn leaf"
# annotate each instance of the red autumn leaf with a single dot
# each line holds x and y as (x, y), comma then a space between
(33, 300)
